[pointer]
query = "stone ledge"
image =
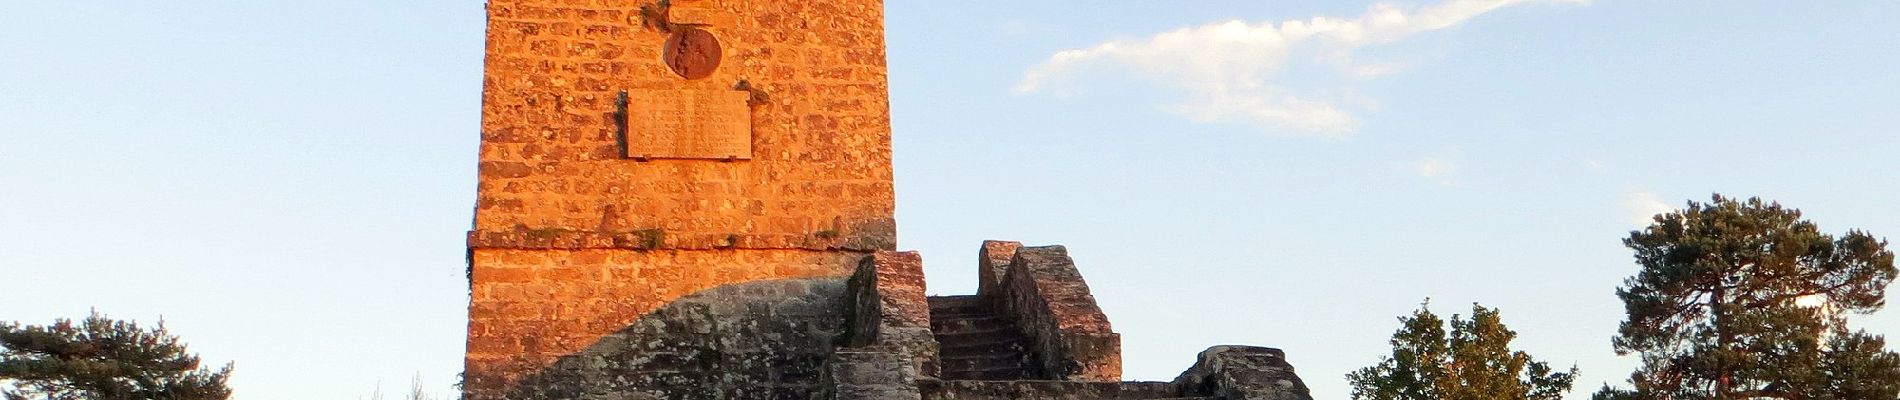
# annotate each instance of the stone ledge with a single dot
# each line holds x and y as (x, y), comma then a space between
(654, 239)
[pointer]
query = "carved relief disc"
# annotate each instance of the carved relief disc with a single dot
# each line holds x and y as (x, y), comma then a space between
(692, 53)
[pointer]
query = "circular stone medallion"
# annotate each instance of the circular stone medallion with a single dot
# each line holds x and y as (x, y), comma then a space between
(692, 53)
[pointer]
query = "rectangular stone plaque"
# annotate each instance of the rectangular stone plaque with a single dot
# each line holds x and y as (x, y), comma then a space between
(702, 124)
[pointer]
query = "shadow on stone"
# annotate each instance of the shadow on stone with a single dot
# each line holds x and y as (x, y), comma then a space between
(754, 340)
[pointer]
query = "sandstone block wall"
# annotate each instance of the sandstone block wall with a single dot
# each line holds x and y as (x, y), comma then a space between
(551, 161)
(595, 275)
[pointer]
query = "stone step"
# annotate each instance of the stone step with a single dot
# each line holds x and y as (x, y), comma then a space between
(987, 346)
(973, 319)
(981, 349)
(946, 306)
(960, 310)
(975, 342)
(941, 314)
(982, 357)
(955, 301)
(979, 339)
(1006, 374)
(968, 319)
(984, 363)
(1050, 390)
(971, 327)
(977, 330)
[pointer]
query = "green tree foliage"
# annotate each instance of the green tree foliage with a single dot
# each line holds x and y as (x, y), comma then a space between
(102, 359)
(1742, 299)
(1473, 362)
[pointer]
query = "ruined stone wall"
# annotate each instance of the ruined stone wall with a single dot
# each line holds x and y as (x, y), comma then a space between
(531, 308)
(594, 274)
(754, 340)
(1070, 335)
(1243, 373)
(889, 309)
(992, 263)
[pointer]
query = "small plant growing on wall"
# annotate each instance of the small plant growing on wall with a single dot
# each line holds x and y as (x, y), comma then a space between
(653, 16)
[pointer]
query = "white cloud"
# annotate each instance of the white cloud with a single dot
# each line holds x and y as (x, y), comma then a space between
(1440, 170)
(1594, 165)
(1643, 207)
(1435, 168)
(1228, 69)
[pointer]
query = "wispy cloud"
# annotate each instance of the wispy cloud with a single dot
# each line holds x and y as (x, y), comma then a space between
(1643, 207)
(1594, 165)
(1231, 70)
(1440, 170)
(1435, 168)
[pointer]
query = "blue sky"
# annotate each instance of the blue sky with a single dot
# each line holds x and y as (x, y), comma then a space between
(287, 183)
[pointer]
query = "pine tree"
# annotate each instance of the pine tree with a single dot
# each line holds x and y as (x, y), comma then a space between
(1473, 362)
(1744, 300)
(102, 359)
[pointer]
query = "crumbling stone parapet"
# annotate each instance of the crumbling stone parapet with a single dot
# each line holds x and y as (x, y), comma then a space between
(992, 263)
(1244, 373)
(1071, 336)
(890, 311)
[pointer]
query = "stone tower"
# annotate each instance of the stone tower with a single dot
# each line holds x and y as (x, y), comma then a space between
(671, 194)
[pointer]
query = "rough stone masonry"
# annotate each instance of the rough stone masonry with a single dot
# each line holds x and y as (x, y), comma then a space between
(692, 199)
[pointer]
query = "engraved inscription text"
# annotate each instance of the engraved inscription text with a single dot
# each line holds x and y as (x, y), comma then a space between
(708, 124)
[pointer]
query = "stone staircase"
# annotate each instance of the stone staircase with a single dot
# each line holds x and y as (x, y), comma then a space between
(1051, 390)
(976, 343)
(984, 356)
